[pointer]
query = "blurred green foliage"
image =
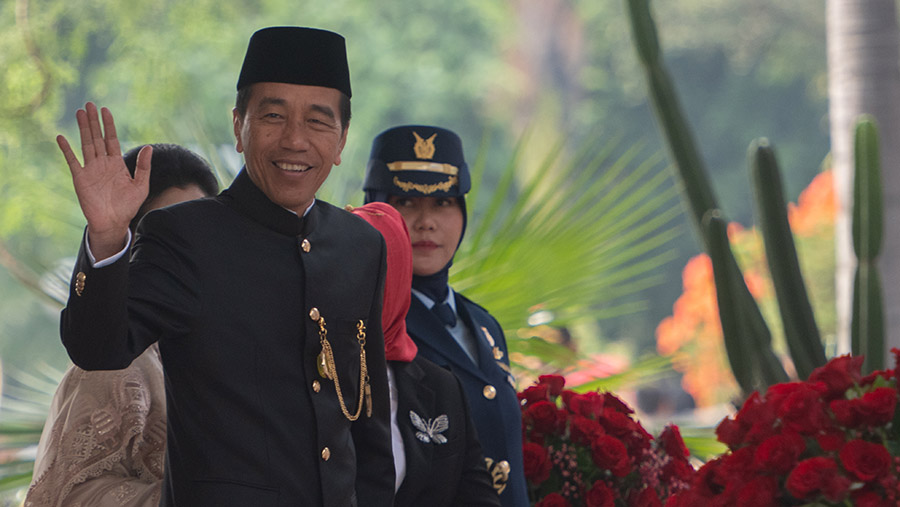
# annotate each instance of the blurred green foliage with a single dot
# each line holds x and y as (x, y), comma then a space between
(484, 69)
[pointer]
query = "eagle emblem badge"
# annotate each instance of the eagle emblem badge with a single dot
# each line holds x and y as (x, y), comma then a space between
(424, 148)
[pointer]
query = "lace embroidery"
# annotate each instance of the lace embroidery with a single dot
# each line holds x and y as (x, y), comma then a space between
(98, 421)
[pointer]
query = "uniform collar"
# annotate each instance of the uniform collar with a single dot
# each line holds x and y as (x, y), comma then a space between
(429, 303)
(250, 201)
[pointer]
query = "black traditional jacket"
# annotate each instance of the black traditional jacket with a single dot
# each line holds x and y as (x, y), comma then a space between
(232, 287)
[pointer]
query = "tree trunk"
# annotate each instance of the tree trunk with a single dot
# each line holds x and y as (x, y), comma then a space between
(864, 77)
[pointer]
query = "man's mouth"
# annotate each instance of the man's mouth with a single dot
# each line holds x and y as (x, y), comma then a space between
(297, 168)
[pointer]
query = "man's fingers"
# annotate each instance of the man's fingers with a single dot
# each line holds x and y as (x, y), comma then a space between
(96, 132)
(142, 168)
(71, 159)
(84, 131)
(111, 140)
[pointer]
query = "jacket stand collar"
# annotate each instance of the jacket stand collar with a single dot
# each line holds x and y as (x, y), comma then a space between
(247, 199)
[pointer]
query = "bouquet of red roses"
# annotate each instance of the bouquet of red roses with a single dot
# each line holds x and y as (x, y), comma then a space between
(832, 440)
(587, 450)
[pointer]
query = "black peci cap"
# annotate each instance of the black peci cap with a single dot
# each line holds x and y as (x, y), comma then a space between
(296, 55)
(416, 160)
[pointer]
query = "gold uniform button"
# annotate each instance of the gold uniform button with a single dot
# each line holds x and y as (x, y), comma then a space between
(489, 392)
(498, 354)
(79, 282)
(503, 466)
(304, 245)
(326, 453)
(314, 314)
(349, 208)
(316, 386)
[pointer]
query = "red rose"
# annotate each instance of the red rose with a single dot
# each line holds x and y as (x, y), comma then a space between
(815, 475)
(838, 375)
(611, 400)
(709, 481)
(779, 453)
(533, 394)
(730, 432)
(553, 500)
(537, 463)
(760, 492)
(865, 460)
(831, 440)
(870, 378)
(756, 417)
(542, 416)
(616, 423)
(584, 430)
(646, 498)
(554, 383)
(683, 499)
(876, 408)
(864, 498)
(600, 495)
(803, 411)
(610, 453)
(736, 469)
(589, 404)
(672, 443)
(678, 469)
(845, 412)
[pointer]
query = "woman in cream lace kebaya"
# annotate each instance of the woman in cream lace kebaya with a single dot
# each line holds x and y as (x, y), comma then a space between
(104, 440)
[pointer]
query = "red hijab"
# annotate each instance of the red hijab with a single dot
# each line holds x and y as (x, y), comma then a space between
(398, 346)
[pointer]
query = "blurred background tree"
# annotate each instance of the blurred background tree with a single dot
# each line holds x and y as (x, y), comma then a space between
(565, 68)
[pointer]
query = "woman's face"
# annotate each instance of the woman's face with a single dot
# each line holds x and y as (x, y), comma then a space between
(435, 227)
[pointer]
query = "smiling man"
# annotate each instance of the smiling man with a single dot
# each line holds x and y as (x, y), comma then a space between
(266, 303)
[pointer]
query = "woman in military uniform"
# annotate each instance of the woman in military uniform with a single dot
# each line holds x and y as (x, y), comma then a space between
(421, 171)
(437, 456)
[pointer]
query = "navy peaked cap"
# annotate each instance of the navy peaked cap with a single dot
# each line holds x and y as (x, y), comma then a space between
(417, 160)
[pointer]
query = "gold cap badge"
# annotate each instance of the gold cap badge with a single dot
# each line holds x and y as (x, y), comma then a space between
(424, 148)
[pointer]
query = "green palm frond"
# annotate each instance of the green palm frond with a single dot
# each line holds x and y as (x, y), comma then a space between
(24, 406)
(577, 237)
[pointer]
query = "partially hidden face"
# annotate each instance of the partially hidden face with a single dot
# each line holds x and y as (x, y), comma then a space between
(291, 135)
(175, 195)
(435, 227)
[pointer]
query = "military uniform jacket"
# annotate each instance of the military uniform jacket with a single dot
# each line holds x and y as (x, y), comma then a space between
(444, 463)
(489, 388)
(229, 287)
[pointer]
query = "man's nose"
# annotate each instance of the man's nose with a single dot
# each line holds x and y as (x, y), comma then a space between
(295, 137)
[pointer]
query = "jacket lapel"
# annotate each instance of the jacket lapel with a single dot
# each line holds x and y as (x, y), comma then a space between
(428, 331)
(485, 351)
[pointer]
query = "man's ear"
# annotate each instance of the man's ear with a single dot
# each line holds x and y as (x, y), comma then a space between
(238, 123)
(337, 160)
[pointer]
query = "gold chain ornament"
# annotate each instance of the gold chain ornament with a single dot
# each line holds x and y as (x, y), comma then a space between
(327, 369)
